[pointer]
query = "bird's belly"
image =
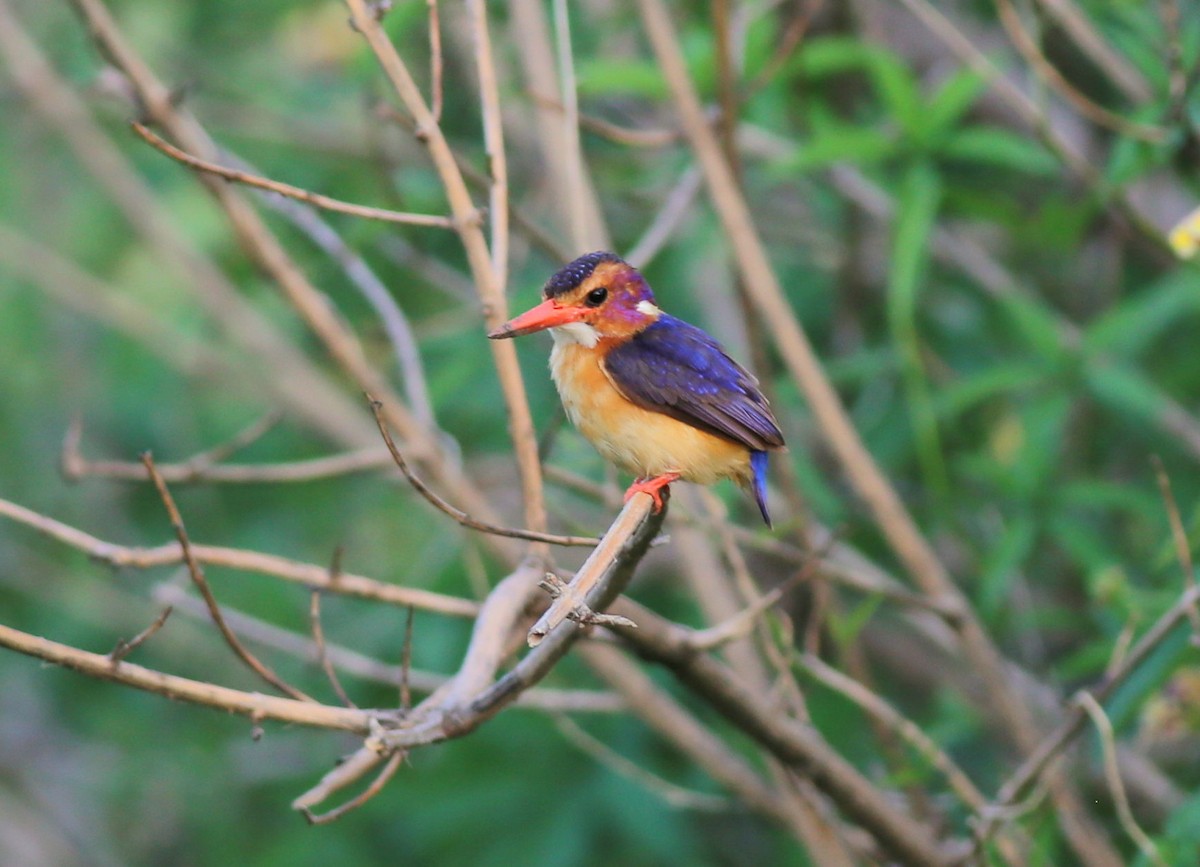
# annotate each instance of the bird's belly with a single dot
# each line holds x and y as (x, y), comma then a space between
(641, 441)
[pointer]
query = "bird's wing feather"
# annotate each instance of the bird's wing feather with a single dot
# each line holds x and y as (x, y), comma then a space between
(677, 369)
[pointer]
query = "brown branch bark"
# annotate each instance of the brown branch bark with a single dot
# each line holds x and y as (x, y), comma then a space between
(251, 704)
(794, 743)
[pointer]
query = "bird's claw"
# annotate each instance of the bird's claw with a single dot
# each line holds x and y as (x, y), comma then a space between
(652, 486)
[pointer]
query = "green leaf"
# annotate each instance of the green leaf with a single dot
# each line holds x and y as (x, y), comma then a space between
(1124, 390)
(953, 99)
(599, 76)
(1133, 325)
(842, 143)
(998, 148)
(900, 93)
(1001, 561)
(920, 196)
(831, 55)
(958, 397)
(1036, 325)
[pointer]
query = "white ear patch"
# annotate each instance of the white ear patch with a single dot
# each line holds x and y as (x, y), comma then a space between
(646, 308)
(576, 332)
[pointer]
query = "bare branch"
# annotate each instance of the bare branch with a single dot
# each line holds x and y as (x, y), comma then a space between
(435, 61)
(263, 634)
(124, 648)
(1035, 764)
(316, 199)
(239, 649)
(672, 793)
(318, 634)
(457, 514)
(571, 600)
(1029, 49)
(308, 574)
(251, 704)
(1112, 773)
(376, 786)
(490, 289)
(794, 743)
(1183, 549)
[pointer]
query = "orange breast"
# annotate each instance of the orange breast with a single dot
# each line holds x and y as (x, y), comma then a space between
(641, 441)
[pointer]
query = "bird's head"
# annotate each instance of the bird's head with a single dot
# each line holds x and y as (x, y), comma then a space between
(598, 296)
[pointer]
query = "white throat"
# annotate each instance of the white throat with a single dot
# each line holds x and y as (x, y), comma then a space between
(575, 332)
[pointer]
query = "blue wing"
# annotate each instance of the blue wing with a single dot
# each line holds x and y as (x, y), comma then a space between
(677, 369)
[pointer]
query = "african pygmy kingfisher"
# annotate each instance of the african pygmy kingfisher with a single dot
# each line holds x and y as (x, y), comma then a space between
(654, 395)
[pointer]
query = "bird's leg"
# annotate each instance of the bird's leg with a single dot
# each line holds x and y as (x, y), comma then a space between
(652, 486)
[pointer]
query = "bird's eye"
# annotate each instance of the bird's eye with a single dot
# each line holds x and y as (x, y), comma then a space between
(596, 297)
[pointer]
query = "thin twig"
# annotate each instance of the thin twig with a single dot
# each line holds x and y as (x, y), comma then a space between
(672, 793)
(308, 574)
(193, 566)
(252, 704)
(395, 323)
(880, 709)
(315, 199)
(479, 258)
(1183, 549)
(573, 155)
(743, 622)
(1112, 773)
(435, 61)
(1031, 769)
(124, 648)
(676, 206)
(1032, 53)
(493, 141)
(305, 470)
(300, 646)
(318, 632)
(349, 770)
(385, 775)
(1120, 71)
(457, 514)
(406, 661)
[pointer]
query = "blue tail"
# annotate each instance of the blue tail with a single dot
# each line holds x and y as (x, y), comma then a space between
(758, 482)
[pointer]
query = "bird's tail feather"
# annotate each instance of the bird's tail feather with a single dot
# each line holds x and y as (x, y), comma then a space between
(758, 482)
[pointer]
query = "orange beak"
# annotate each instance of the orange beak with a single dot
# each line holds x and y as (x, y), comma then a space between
(548, 314)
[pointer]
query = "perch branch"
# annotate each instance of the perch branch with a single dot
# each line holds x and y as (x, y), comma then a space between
(472, 696)
(303, 647)
(571, 600)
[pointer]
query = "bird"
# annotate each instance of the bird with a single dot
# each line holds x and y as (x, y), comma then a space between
(654, 395)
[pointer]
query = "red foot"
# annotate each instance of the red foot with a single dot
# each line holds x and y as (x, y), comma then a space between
(652, 486)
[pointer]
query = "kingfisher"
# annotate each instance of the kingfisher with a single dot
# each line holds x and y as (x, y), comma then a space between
(655, 395)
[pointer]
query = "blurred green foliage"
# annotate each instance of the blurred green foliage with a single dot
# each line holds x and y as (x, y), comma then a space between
(1017, 420)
